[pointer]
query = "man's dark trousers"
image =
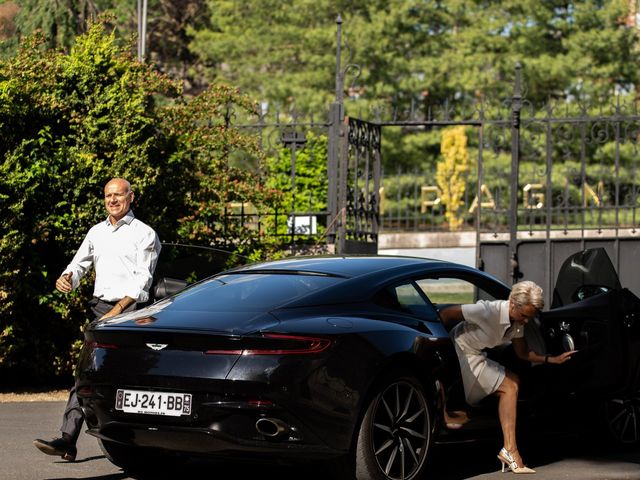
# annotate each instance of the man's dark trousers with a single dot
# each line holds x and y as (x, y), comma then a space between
(73, 417)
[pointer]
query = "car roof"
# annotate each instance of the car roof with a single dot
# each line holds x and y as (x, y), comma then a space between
(344, 266)
(363, 274)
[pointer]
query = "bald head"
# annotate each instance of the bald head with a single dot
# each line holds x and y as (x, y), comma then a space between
(119, 183)
(117, 198)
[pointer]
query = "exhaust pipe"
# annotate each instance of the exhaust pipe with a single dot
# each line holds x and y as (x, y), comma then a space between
(272, 427)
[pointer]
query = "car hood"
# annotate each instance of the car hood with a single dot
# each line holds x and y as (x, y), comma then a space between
(165, 315)
(584, 274)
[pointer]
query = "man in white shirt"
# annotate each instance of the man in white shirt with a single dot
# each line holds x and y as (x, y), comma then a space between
(124, 252)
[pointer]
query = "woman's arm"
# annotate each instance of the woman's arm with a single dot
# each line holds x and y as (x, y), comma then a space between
(451, 316)
(522, 351)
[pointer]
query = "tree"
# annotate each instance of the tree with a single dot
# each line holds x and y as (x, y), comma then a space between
(169, 23)
(8, 12)
(211, 147)
(451, 174)
(415, 55)
(287, 56)
(60, 21)
(412, 54)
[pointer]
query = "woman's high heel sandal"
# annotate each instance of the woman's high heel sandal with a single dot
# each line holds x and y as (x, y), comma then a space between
(510, 463)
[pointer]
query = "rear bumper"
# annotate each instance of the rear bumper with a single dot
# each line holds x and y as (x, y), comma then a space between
(201, 441)
(215, 426)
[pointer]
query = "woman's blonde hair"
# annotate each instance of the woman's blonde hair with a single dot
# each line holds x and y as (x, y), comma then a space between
(527, 293)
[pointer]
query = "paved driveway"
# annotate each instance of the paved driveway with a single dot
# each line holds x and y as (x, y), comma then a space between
(555, 457)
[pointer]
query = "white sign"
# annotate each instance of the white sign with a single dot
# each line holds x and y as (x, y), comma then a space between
(302, 224)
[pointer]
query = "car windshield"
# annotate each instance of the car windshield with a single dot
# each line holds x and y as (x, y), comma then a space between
(250, 291)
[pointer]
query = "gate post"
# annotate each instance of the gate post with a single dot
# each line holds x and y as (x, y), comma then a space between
(333, 156)
(336, 118)
(343, 172)
(516, 106)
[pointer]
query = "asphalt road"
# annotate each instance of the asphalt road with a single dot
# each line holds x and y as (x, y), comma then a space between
(558, 456)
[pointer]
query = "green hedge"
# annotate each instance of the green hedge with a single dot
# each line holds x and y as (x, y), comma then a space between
(68, 123)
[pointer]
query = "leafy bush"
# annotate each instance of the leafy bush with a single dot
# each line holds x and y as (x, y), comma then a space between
(68, 124)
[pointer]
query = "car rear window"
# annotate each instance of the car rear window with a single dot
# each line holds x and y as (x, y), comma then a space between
(250, 292)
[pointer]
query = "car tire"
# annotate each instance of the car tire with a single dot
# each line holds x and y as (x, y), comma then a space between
(395, 434)
(622, 418)
(137, 459)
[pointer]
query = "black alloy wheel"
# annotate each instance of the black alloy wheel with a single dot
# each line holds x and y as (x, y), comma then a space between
(395, 434)
(623, 418)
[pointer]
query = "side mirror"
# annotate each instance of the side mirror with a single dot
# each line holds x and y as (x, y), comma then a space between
(168, 286)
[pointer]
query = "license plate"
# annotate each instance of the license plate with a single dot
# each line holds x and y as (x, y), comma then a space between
(153, 403)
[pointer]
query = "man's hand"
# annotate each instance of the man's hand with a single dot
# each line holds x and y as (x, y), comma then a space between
(119, 307)
(64, 284)
(111, 313)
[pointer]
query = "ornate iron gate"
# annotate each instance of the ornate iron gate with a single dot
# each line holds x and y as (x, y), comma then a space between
(359, 187)
(575, 184)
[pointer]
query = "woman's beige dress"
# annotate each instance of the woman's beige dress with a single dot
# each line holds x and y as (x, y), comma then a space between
(486, 325)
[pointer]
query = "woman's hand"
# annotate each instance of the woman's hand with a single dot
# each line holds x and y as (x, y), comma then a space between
(560, 359)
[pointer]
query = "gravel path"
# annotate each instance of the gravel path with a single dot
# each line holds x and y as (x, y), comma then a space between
(34, 396)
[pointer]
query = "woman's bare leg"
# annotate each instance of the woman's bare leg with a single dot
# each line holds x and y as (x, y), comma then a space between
(507, 406)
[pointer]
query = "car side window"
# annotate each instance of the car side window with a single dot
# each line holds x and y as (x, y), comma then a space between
(408, 295)
(406, 299)
(443, 291)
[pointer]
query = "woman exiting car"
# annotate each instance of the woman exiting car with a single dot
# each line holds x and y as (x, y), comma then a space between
(487, 324)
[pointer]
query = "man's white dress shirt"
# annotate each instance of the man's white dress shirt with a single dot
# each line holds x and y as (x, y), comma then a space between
(124, 256)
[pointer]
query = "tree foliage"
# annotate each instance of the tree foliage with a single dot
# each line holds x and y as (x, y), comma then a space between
(69, 122)
(416, 56)
(205, 140)
(451, 174)
(59, 21)
(411, 54)
(168, 27)
(421, 51)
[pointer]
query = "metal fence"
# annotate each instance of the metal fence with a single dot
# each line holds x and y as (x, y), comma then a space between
(566, 167)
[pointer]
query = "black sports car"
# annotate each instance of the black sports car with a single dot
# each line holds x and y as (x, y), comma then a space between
(338, 358)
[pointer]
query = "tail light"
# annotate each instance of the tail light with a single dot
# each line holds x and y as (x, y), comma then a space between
(291, 345)
(85, 391)
(278, 344)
